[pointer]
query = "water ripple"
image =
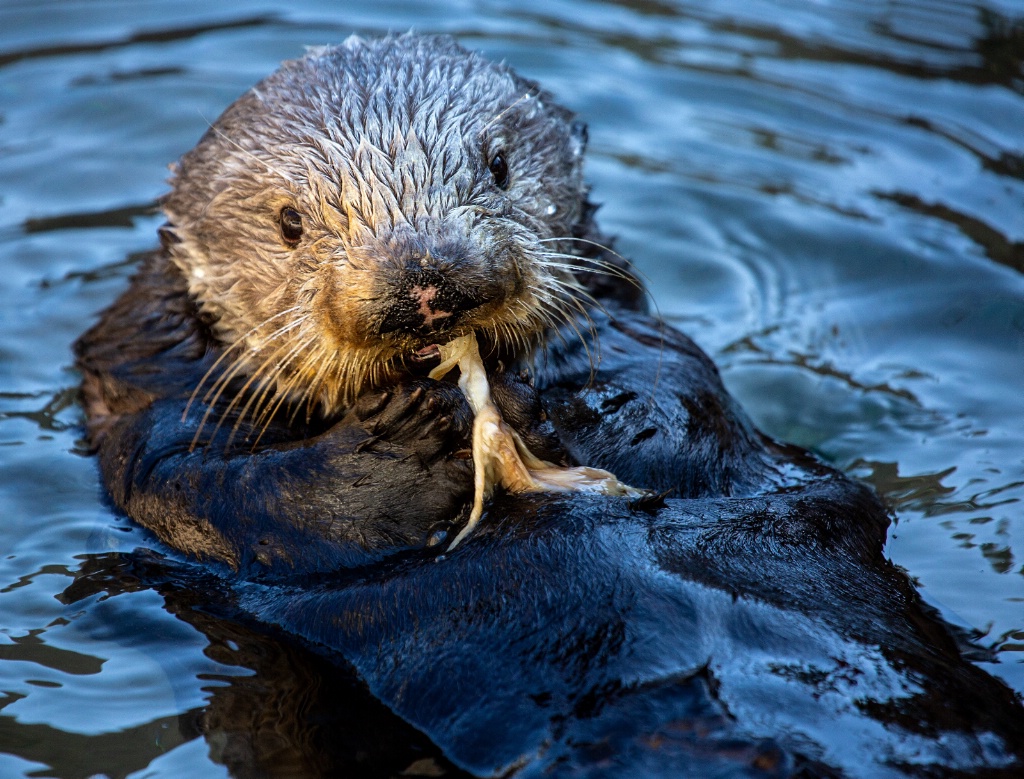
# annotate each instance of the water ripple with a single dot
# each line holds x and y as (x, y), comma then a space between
(166, 35)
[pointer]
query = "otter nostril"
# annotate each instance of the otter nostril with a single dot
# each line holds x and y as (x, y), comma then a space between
(399, 317)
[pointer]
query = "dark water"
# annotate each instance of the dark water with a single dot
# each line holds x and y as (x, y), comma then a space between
(828, 196)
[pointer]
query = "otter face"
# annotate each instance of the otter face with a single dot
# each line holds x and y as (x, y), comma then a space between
(370, 200)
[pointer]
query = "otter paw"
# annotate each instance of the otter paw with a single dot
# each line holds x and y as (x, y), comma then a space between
(429, 416)
(520, 406)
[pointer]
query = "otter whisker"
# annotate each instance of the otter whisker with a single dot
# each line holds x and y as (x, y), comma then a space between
(574, 292)
(266, 415)
(227, 351)
(212, 396)
(572, 282)
(552, 317)
(547, 313)
(352, 369)
(306, 399)
(509, 334)
(518, 335)
(614, 271)
(294, 324)
(603, 267)
(574, 262)
(593, 346)
(264, 380)
(222, 382)
(323, 359)
(265, 389)
(573, 298)
(625, 260)
(571, 295)
(569, 319)
(342, 376)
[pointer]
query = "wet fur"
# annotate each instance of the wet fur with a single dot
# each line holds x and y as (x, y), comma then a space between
(386, 174)
(744, 623)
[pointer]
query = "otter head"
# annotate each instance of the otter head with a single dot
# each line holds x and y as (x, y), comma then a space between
(369, 200)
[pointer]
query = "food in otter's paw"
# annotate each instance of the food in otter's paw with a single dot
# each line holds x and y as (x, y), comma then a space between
(499, 455)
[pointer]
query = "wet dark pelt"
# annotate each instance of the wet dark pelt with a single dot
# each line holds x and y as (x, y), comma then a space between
(257, 400)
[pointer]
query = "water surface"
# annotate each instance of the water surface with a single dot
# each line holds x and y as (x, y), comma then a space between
(828, 196)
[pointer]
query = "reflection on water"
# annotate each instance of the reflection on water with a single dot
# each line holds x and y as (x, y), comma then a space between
(995, 245)
(827, 196)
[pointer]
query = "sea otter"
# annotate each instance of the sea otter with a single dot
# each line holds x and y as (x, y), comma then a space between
(258, 399)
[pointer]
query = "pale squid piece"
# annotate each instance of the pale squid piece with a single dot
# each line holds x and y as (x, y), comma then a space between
(499, 454)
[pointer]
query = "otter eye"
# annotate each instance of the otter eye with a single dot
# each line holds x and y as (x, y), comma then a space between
(291, 225)
(499, 169)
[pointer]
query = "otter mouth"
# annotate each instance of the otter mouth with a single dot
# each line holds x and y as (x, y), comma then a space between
(426, 358)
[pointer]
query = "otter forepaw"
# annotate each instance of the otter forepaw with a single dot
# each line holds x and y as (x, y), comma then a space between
(429, 416)
(521, 408)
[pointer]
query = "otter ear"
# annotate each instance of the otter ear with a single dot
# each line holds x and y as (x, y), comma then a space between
(168, 236)
(578, 133)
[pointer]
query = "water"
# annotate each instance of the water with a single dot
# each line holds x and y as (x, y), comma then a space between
(828, 196)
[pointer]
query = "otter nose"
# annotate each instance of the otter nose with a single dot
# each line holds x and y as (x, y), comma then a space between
(424, 301)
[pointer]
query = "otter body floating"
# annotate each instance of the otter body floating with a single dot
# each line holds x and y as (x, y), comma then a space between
(252, 401)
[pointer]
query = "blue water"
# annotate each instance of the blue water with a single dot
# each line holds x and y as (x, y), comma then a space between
(828, 196)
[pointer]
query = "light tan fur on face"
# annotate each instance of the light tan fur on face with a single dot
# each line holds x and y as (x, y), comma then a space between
(383, 148)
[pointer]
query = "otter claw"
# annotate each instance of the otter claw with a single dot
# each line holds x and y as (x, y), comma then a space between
(371, 405)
